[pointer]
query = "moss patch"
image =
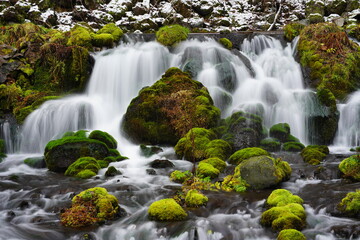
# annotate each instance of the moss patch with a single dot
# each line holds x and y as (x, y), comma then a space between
(172, 34)
(350, 205)
(195, 199)
(91, 206)
(246, 153)
(350, 167)
(166, 210)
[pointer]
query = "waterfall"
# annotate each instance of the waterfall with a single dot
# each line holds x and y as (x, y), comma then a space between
(265, 79)
(8, 132)
(348, 134)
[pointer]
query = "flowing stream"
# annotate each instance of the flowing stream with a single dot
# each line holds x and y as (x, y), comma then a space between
(263, 78)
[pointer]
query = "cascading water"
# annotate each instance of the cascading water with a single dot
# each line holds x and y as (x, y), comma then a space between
(9, 132)
(272, 87)
(348, 134)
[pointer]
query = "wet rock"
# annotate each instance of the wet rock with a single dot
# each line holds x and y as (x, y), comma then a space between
(346, 231)
(246, 61)
(203, 8)
(150, 171)
(36, 162)
(149, 151)
(158, 163)
(227, 76)
(112, 171)
(24, 204)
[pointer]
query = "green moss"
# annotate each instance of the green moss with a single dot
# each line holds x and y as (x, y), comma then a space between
(280, 131)
(350, 167)
(112, 171)
(293, 146)
(105, 138)
(329, 45)
(166, 210)
(216, 163)
(85, 174)
(232, 183)
(80, 36)
(246, 153)
(195, 199)
(77, 168)
(273, 171)
(351, 204)
(171, 35)
(291, 216)
(22, 113)
(204, 170)
(102, 40)
(91, 206)
(81, 133)
(290, 234)
(9, 95)
(282, 197)
(270, 144)
(314, 154)
(292, 30)
(112, 29)
(226, 43)
(166, 111)
(179, 176)
(103, 163)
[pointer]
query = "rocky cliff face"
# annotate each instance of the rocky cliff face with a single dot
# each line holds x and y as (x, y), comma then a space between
(200, 16)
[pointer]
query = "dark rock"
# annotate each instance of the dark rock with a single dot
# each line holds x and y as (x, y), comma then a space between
(149, 151)
(61, 156)
(112, 171)
(150, 171)
(346, 231)
(36, 162)
(227, 76)
(140, 9)
(158, 163)
(203, 8)
(10, 15)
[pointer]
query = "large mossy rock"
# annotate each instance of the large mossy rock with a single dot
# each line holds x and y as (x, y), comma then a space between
(332, 60)
(280, 131)
(263, 171)
(166, 210)
(89, 207)
(84, 167)
(314, 154)
(282, 197)
(61, 153)
(350, 167)
(166, 111)
(201, 143)
(291, 216)
(172, 34)
(285, 211)
(291, 234)
(350, 205)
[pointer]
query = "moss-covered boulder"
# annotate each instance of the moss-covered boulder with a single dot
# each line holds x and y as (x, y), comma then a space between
(166, 111)
(84, 167)
(166, 210)
(204, 170)
(104, 137)
(293, 146)
(290, 234)
(34, 162)
(112, 171)
(280, 131)
(290, 216)
(61, 153)
(148, 151)
(350, 205)
(332, 60)
(180, 176)
(89, 207)
(226, 43)
(113, 30)
(246, 153)
(216, 163)
(194, 198)
(314, 154)
(201, 143)
(80, 36)
(282, 197)
(172, 34)
(270, 144)
(350, 167)
(314, 11)
(273, 171)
